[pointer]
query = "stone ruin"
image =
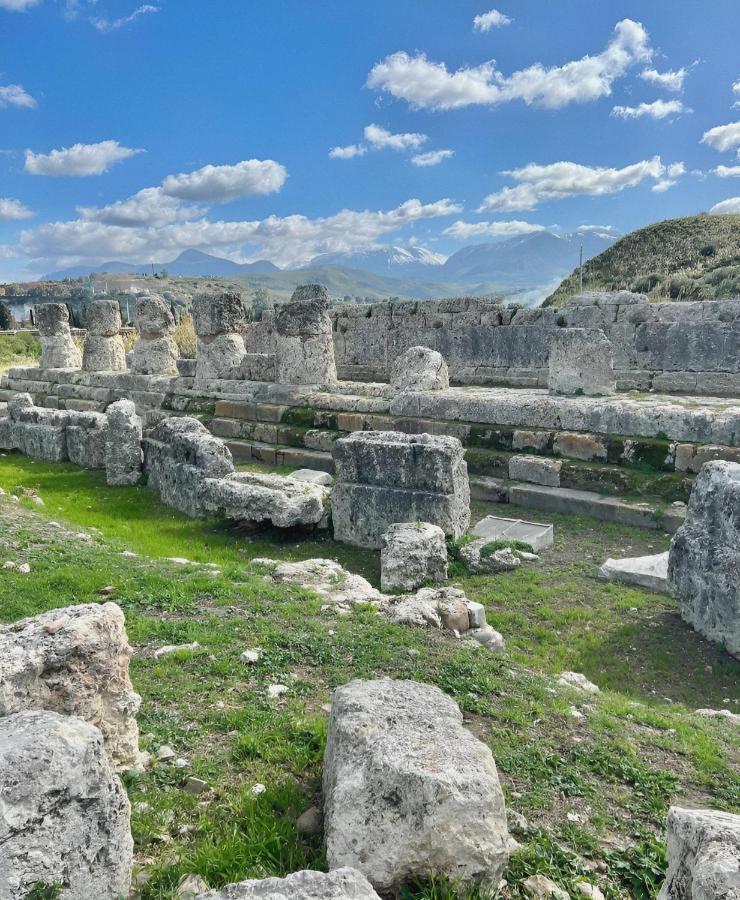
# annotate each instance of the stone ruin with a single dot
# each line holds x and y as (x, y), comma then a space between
(58, 350)
(419, 369)
(156, 352)
(581, 362)
(304, 350)
(219, 324)
(104, 350)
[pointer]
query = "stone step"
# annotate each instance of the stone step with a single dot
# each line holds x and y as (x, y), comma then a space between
(254, 451)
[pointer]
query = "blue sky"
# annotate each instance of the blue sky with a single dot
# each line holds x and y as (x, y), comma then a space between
(557, 114)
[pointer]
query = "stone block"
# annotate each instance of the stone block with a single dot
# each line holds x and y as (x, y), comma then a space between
(341, 884)
(535, 469)
(581, 362)
(412, 554)
(419, 369)
(304, 349)
(580, 446)
(123, 455)
(58, 350)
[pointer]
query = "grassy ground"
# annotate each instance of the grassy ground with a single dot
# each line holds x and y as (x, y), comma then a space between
(18, 350)
(594, 790)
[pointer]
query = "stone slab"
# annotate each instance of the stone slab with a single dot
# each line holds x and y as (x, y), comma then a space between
(642, 571)
(537, 535)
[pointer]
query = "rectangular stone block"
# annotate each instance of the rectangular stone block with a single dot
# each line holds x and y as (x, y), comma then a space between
(581, 362)
(580, 446)
(536, 470)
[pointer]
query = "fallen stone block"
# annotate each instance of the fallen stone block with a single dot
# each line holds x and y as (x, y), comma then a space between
(643, 571)
(65, 814)
(412, 554)
(341, 884)
(419, 369)
(409, 792)
(74, 661)
(123, 456)
(703, 855)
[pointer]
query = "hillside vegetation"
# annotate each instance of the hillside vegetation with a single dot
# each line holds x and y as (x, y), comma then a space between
(693, 258)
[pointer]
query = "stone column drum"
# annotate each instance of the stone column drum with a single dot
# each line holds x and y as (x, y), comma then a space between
(58, 350)
(304, 348)
(104, 350)
(156, 352)
(219, 323)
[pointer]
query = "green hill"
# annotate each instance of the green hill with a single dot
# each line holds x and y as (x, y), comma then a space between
(693, 258)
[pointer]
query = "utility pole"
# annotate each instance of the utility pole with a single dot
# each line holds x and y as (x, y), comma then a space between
(580, 267)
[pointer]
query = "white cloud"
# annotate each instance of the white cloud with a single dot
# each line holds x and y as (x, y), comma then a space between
(672, 80)
(78, 160)
(658, 109)
(105, 26)
(428, 85)
(736, 88)
(291, 240)
(150, 206)
(382, 139)
(15, 95)
(348, 152)
(567, 179)
(489, 20)
(18, 5)
(727, 171)
(251, 177)
(727, 206)
(464, 230)
(13, 210)
(433, 158)
(582, 229)
(723, 137)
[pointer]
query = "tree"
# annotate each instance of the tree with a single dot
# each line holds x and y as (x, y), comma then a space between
(7, 322)
(262, 301)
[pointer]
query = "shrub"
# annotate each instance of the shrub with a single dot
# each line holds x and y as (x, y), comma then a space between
(6, 317)
(185, 336)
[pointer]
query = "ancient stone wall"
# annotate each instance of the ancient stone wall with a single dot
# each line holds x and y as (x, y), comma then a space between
(682, 347)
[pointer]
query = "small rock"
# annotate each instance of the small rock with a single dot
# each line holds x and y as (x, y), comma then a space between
(34, 498)
(573, 817)
(9, 565)
(178, 560)
(181, 763)
(142, 806)
(81, 536)
(512, 845)
(586, 889)
(257, 789)
(106, 591)
(517, 823)
(575, 713)
(53, 524)
(578, 682)
(539, 887)
(489, 638)
(129, 554)
(165, 753)
(276, 690)
(310, 822)
(174, 648)
(190, 887)
(195, 785)
(250, 657)
(23, 569)
(718, 714)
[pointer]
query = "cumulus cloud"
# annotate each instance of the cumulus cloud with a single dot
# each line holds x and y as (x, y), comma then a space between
(464, 230)
(582, 229)
(290, 240)
(105, 26)
(672, 80)
(251, 177)
(383, 139)
(567, 179)
(723, 137)
(13, 210)
(78, 160)
(18, 5)
(672, 174)
(150, 206)
(489, 20)
(658, 109)
(424, 84)
(15, 95)
(348, 152)
(433, 158)
(727, 171)
(732, 205)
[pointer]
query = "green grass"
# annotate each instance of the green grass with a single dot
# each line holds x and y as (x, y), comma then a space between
(638, 748)
(18, 350)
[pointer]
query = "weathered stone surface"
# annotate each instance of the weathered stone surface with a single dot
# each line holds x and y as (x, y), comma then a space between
(535, 469)
(412, 554)
(581, 362)
(58, 350)
(36, 432)
(220, 322)
(703, 855)
(262, 497)
(341, 884)
(74, 661)
(304, 350)
(312, 476)
(218, 314)
(387, 477)
(644, 571)
(103, 350)
(86, 439)
(408, 791)
(123, 444)
(477, 559)
(64, 815)
(704, 558)
(156, 351)
(419, 369)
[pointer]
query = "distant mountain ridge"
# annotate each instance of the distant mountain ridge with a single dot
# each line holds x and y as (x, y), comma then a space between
(189, 262)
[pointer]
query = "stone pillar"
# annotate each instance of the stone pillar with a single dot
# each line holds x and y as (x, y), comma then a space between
(156, 352)
(123, 444)
(304, 349)
(219, 323)
(58, 350)
(581, 363)
(104, 350)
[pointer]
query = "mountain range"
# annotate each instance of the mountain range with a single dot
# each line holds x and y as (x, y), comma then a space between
(527, 266)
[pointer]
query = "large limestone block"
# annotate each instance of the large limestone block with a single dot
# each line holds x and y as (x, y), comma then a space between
(262, 497)
(413, 554)
(64, 816)
(123, 444)
(419, 369)
(341, 884)
(304, 349)
(220, 323)
(37, 432)
(156, 352)
(87, 433)
(74, 661)
(58, 350)
(408, 791)
(581, 362)
(104, 350)
(704, 557)
(703, 855)
(218, 314)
